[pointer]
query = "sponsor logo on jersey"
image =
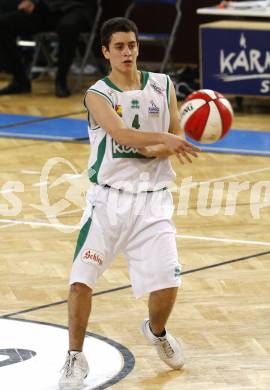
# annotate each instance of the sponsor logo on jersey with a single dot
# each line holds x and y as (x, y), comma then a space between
(119, 110)
(92, 256)
(135, 104)
(153, 109)
(157, 88)
(122, 151)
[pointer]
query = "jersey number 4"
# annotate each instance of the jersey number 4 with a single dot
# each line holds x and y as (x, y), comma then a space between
(136, 122)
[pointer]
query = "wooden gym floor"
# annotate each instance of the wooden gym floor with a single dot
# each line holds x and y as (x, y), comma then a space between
(222, 313)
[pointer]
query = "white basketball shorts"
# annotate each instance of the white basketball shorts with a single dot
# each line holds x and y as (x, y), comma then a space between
(140, 226)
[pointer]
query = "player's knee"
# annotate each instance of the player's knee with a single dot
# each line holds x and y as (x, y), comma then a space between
(166, 294)
(80, 288)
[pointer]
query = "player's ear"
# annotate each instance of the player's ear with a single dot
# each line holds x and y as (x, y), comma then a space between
(105, 52)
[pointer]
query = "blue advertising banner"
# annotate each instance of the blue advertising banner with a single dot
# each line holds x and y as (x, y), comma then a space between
(236, 61)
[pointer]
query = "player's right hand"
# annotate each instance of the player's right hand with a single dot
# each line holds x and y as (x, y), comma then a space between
(180, 147)
(26, 6)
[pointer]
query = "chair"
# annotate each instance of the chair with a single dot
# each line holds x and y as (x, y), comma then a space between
(46, 44)
(165, 39)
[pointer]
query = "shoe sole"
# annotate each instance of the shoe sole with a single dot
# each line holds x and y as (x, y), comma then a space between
(72, 387)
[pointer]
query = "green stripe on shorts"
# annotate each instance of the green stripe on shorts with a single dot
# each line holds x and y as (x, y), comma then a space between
(83, 234)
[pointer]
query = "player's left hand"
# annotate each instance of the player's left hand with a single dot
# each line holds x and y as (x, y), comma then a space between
(184, 155)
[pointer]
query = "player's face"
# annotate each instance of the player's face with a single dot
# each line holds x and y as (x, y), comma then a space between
(123, 51)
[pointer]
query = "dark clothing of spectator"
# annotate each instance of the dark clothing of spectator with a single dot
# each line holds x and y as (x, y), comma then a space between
(8, 5)
(67, 17)
(67, 5)
(63, 5)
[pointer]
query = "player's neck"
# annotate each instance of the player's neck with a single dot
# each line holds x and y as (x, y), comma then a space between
(126, 81)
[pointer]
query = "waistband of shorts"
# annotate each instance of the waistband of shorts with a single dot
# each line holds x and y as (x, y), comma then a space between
(133, 193)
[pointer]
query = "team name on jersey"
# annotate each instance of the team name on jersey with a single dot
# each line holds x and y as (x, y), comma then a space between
(122, 151)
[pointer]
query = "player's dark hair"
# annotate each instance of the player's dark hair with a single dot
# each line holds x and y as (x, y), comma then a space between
(114, 25)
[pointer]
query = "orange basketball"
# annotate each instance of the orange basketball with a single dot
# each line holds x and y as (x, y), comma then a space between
(206, 116)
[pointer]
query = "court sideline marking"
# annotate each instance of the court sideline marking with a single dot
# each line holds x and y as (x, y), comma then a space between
(259, 254)
(41, 119)
(13, 222)
(228, 177)
(220, 239)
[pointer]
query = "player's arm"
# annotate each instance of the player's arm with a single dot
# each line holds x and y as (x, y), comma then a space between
(106, 117)
(161, 151)
(174, 114)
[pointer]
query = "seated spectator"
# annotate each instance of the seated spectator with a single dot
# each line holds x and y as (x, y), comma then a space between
(67, 17)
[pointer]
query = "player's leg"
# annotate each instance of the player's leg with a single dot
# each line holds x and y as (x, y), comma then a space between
(160, 305)
(84, 274)
(79, 308)
(96, 247)
(76, 368)
(154, 269)
(168, 348)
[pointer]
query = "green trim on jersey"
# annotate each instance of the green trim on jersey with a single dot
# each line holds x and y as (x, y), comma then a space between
(111, 84)
(100, 156)
(144, 79)
(168, 90)
(101, 94)
(83, 234)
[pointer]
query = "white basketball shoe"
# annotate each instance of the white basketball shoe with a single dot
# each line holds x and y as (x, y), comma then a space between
(168, 348)
(74, 371)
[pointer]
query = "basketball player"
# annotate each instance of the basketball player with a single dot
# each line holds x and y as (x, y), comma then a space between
(133, 129)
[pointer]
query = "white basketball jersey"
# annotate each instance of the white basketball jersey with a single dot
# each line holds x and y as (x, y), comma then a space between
(147, 109)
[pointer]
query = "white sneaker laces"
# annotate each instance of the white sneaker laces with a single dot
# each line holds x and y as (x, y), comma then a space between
(69, 365)
(167, 348)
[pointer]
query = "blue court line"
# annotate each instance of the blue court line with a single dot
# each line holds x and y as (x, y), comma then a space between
(54, 129)
(63, 129)
(240, 142)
